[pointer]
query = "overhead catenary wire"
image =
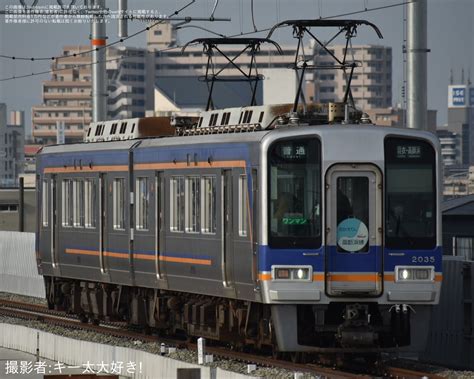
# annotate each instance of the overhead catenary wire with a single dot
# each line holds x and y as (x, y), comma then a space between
(116, 42)
(14, 77)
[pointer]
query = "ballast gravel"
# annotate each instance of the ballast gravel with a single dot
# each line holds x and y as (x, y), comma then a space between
(184, 355)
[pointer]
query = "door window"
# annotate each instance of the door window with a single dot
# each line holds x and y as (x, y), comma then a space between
(352, 214)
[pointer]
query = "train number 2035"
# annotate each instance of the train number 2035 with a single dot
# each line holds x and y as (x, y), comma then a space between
(420, 259)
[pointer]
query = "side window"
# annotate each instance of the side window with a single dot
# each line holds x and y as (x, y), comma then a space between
(89, 203)
(192, 204)
(141, 191)
(78, 202)
(67, 202)
(177, 204)
(119, 203)
(243, 214)
(44, 203)
(208, 205)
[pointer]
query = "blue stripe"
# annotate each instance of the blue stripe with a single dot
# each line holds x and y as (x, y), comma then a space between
(103, 158)
(268, 257)
(414, 258)
(346, 262)
(219, 152)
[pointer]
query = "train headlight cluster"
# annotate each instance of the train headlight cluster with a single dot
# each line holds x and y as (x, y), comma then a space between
(291, 273)
(407, 273)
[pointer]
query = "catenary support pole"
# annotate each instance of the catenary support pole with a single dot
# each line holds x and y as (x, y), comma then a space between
(99, 73)
(417, 109)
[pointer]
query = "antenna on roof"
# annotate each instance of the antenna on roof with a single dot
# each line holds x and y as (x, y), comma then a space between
(302, 27)
(212, 49)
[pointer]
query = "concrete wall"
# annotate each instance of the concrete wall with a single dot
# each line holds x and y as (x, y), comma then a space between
(77, 353)
(9, 220)
(18, 270)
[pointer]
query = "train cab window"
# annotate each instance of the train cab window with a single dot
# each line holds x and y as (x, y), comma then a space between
(141, 191)
(208, 205)
(243, 206)
(294, 204)
(78, 202)
(89, 203)
(66, 202)
(177, 204)
(44, 203)
(410, 196)
(118, 199)
(192, 204)
(260, 118)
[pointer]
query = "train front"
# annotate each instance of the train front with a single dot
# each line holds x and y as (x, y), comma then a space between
(350, 245)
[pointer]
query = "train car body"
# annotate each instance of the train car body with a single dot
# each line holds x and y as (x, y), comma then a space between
(304, 238)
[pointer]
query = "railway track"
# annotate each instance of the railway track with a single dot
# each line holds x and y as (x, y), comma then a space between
(41, 313)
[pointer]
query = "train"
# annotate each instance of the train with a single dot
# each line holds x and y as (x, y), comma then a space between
(251, 226)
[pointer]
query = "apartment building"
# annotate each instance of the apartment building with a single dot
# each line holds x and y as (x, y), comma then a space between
(67, 94)
(372, 80)
(12, 136)
(175, 71)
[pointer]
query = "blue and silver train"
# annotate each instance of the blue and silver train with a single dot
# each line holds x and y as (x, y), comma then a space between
(252, 227)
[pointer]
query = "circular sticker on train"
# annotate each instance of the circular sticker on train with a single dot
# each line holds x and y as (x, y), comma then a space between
(352, 234)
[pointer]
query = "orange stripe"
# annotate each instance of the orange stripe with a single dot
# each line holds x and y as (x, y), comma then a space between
(206, 262)
(438, 278)
(145, 257)
(82, 252)
(318, 277)
(184, 165)
(265, 276)
(55, 170)
(353, 277)
(98, 42)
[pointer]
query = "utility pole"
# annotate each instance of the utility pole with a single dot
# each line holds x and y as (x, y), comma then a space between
(417, 108)
(99, 70)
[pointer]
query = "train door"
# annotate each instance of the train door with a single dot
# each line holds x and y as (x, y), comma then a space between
(227, 230)
(116, 246)
(52, 197)
(159, 225)
(354, 230)
(102, 221)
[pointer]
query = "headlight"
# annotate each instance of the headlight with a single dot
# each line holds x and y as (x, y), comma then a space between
(405, 274)
(292, 273)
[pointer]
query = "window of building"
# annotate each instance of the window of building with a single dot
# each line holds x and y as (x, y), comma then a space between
(118, 200)
(89, 203)
(192, 204)
(243, 206)
(67, 202)
(208, 205)
(6, 208)
(141, 218)
(44, 203)
(177, 204)
(78, 203)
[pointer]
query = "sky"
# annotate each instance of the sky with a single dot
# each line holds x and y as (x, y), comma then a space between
(450, 38)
